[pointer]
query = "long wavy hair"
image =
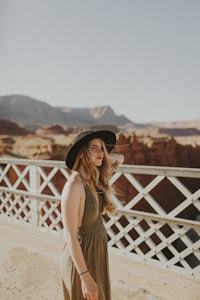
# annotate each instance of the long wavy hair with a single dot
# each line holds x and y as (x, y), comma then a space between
(98, 175)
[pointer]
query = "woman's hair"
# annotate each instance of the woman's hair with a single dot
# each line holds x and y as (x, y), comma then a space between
(99, 175)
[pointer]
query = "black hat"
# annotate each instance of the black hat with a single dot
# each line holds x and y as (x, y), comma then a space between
(107, 136)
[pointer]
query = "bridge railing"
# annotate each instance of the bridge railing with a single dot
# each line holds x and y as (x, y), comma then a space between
(157, 217)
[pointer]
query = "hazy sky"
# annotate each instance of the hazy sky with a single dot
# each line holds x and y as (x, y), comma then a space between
(141, 57)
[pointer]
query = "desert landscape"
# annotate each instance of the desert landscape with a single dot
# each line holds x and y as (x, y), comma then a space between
(32, 129)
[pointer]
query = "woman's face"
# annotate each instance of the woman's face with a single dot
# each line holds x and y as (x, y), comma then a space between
(96, 152)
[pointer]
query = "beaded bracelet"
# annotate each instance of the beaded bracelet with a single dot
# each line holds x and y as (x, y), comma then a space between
(83, 272)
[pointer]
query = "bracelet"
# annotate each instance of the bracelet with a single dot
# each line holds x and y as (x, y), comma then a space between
(83, 272)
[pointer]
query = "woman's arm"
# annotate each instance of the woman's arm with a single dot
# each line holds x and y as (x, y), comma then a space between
(70, 203)
(71, 198)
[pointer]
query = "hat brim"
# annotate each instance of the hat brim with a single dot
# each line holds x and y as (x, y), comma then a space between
(107, 136)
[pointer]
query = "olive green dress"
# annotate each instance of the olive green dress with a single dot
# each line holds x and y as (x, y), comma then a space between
(93, 240)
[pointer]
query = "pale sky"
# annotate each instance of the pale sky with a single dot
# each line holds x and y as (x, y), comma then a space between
(142, 58)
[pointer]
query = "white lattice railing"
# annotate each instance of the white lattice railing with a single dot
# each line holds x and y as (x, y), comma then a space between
(157, 216)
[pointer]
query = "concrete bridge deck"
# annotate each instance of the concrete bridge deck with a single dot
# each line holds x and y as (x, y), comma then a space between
(29, 265)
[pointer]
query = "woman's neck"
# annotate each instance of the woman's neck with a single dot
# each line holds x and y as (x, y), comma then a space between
(87, 179)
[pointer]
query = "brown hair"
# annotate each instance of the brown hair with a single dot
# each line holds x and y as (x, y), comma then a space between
(99, 175)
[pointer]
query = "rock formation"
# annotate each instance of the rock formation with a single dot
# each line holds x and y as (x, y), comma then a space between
(34, 114)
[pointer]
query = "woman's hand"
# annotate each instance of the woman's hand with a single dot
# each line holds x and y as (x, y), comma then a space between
(116, 160)
(89, 287)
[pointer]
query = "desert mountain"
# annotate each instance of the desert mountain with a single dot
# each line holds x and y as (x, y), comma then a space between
(33, 114)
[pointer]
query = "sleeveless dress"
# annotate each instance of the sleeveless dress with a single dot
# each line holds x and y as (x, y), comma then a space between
(93, 240)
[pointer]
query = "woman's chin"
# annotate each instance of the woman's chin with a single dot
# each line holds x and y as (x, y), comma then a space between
(98, 163)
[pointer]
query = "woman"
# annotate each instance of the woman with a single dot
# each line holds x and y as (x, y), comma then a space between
(85, 197)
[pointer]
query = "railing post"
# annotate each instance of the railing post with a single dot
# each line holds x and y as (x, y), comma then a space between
(34, 184)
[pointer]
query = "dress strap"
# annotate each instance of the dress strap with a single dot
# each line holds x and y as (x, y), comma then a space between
(83, 181)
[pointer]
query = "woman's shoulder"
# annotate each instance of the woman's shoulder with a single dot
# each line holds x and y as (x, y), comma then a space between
(73, 185)
(75, 180)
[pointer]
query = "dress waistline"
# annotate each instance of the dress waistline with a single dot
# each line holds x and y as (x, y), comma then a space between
(97, 225)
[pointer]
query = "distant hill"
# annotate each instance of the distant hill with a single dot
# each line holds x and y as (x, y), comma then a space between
(34, 114)
(11, 128)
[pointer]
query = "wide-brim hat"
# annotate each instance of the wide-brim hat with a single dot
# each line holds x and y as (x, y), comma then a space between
(83, 138)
